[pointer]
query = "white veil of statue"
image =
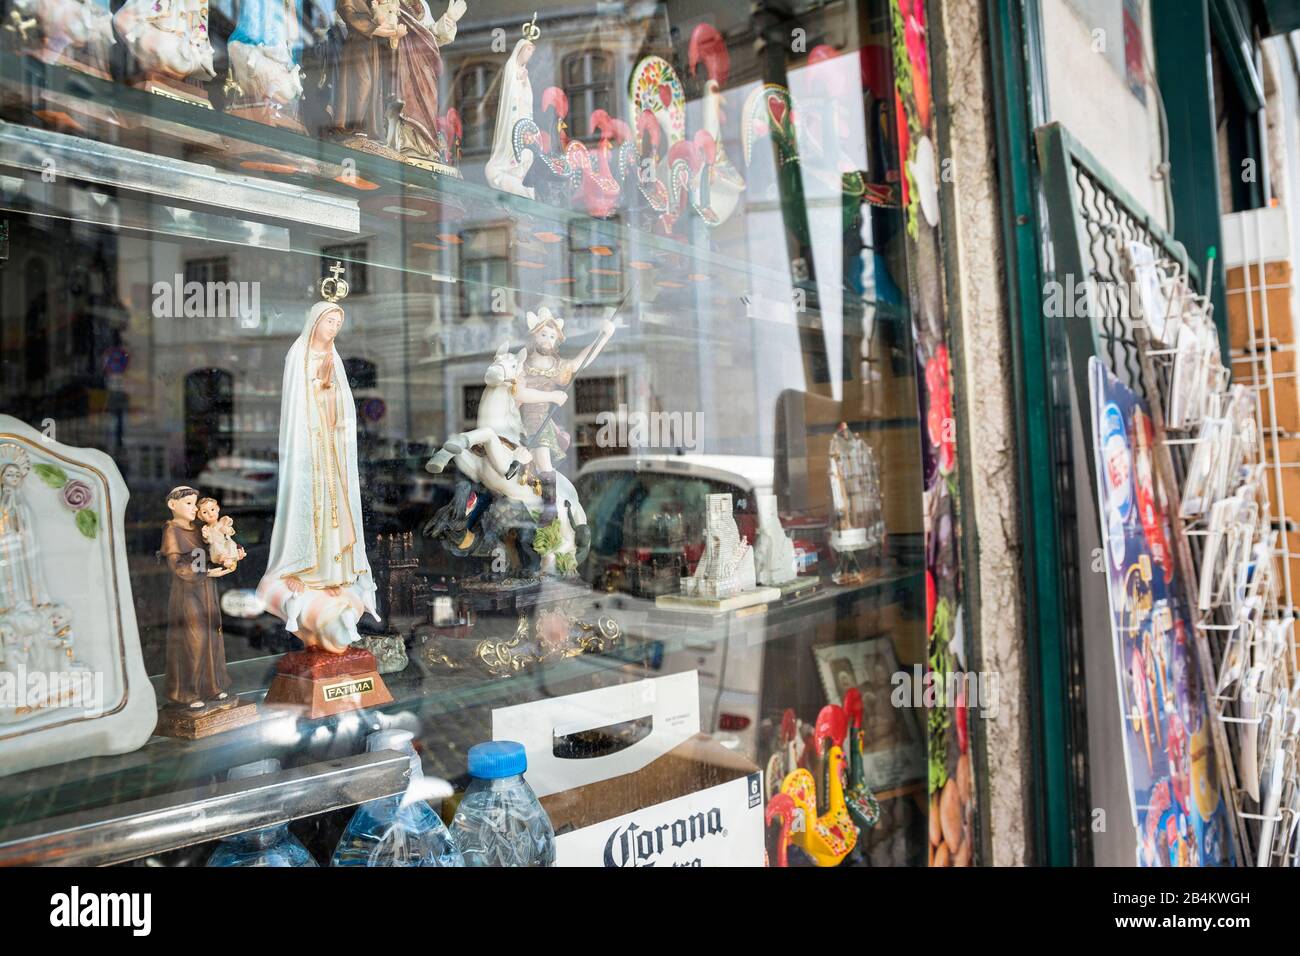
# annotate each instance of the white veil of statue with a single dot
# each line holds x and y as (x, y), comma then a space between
(515, 103)
(295, 538)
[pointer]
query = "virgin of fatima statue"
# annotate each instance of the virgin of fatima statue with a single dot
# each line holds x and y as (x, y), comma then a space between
(505, 170)
(264, 51)
(318, 578)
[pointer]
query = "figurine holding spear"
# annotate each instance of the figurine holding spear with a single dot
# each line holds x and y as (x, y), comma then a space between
(543, 389)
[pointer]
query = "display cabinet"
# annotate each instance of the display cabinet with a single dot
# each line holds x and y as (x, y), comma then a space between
(579, 340)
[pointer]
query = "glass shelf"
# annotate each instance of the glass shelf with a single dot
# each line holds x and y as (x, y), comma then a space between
(317, 196)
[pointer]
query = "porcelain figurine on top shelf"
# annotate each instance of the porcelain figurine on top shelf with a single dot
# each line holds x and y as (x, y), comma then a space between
(73, 33)
(265, 81)
(717, 193)
(199, 700)
(511, 158)
(386, 97)
(168, 39)
(318, 579)
(858, 523)
(724, 578)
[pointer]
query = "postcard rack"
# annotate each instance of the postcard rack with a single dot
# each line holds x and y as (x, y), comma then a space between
(1211, 454)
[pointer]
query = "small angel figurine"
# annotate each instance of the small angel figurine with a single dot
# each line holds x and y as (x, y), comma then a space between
(219, 533)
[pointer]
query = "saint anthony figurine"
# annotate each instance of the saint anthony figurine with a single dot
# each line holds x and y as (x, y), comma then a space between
(386, 100)
(196, 648)
(505, 170)
(545, 371)
(318, 578)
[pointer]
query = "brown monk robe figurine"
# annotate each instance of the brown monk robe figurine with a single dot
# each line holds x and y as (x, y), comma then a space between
(386, 96)
(197, 692)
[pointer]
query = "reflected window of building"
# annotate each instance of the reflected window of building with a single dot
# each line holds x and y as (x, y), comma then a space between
(598, 400)
(596, 263)
(476, 93)
(589, 84)
(209, 417)
(485, 270)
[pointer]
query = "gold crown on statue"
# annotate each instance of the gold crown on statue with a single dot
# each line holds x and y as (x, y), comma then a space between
(531, 31)
(334, 287)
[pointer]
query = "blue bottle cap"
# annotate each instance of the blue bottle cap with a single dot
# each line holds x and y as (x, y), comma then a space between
(497, 758)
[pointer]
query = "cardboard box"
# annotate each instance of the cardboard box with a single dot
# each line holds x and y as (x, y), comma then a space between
(646, 788)
(1286, 385)
(1277, 292)
(697, 805)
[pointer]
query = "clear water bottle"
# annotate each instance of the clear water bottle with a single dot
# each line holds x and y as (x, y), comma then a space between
(500, 821)
(270, 846)
(401, 830)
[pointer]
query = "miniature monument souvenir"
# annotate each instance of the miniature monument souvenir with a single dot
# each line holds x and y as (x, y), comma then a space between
(509, 163)
(858, 523)
(318, 578)
(169, 42)
(775, 552)
(199, 702)
(72, 679)
(724, 577)
(386, 93)
(72, 33)
(265, 82)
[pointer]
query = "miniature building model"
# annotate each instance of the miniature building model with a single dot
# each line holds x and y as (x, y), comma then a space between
(726, 567)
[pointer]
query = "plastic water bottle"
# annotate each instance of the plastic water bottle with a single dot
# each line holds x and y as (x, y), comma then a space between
(270, 846)
(500, 821)
(401, 830)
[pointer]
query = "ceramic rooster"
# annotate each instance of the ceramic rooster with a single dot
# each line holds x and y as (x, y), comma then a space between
(684, 165)
(645, 164)
(827, 837)
(720, 186)
(600, 188)
(864, 808)
(451, 130)
(781, 807)
(551, 174)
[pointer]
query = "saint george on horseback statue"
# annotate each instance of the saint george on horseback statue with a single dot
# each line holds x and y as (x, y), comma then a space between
(514, 445)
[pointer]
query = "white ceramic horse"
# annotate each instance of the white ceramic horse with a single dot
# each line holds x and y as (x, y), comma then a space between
(493, 453)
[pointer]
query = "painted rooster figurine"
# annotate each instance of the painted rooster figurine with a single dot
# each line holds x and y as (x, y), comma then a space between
(863, 806)
(551, 175)
(449, 126)
(720, 185)
(827, 837)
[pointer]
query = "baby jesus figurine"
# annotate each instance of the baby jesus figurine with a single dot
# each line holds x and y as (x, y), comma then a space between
(219, 534)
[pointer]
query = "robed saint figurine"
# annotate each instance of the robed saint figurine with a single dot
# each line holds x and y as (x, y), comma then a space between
(318, 579)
